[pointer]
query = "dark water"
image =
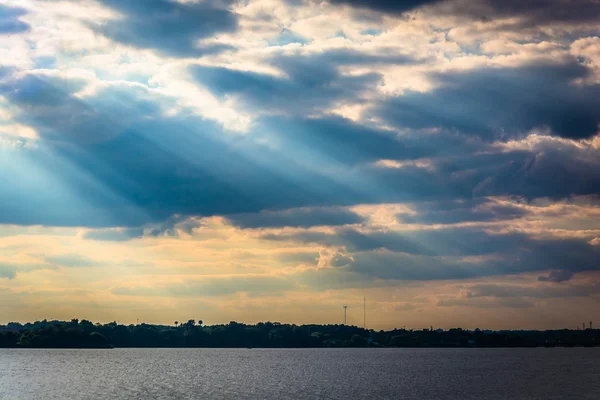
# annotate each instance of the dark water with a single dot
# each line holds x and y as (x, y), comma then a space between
(298, 374)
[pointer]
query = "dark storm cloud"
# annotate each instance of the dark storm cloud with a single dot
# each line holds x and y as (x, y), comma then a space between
(48, 104)
(311, 85)
(298, 93)
(311, 88)
(299, 217)
(461, 210)
(168, 26)
(10, 22)
(536, 12)
(145, 176)
(531, 12)
(386, 6)
(442, 242)
(502, 102)
(520, 257)
(124, 164)
(440, 254)
(311, 82)
(556, 171)
(114, 159)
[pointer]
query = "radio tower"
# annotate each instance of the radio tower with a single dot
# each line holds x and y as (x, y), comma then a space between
(345, 308)
(364, 313)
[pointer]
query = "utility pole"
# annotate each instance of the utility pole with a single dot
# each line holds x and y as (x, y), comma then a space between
(345, 308)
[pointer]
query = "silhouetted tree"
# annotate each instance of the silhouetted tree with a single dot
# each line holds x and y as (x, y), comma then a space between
(63, 334)
(190, 324)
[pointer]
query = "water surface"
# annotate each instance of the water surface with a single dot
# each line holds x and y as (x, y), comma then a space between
(301, 373)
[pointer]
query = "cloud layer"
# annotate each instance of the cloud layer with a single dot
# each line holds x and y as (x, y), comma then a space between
(173, 28)
(267, 156)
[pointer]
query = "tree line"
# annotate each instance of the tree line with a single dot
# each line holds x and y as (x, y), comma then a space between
(192, 333)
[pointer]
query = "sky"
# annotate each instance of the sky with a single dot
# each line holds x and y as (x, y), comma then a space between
(274, 160)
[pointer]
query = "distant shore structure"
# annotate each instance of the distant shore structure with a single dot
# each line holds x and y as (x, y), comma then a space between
(364, 313)
(345, 308)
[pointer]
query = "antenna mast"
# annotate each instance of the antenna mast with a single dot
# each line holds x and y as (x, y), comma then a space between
(345, 308)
